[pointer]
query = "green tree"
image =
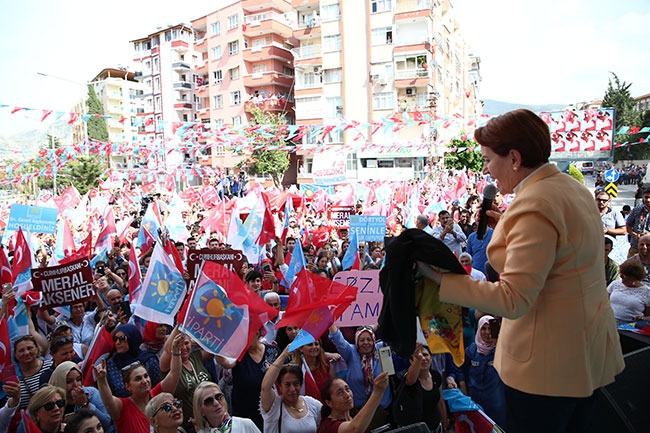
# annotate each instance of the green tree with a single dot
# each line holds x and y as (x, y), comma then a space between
(263, 161)
(96, 125)
(465, 155)
(576, 174)
(84, 173)
(618, 96)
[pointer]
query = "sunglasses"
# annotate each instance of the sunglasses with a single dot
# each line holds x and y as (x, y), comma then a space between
(210, 400)
(132, 365)
(119, 337)
(168, 407)
(50, 404)
(64, 340)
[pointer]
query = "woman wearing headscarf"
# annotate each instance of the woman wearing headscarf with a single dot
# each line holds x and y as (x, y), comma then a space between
(482, 382)
(127, 340)
(362, 359)
(67, 376)
(153, 337)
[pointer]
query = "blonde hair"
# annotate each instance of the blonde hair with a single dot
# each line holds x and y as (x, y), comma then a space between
(197, 404)
(41, 397)
(152, 405)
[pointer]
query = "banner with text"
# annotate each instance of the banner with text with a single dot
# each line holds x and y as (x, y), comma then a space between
(35, 219)
(369, 228)
(66, 284)
(231, 259)
(339, 216)
(329, 168)
(365, 310)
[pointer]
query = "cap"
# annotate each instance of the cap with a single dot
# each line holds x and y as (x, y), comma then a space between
(58, 326)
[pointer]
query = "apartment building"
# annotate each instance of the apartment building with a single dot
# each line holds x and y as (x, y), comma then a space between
(162, 61)
(367, 61)
(120, 94)
(243, 60)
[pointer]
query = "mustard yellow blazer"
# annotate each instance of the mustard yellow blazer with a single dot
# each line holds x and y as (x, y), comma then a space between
(558, 336)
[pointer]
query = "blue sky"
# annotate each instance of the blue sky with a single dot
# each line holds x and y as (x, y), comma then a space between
(556, 51)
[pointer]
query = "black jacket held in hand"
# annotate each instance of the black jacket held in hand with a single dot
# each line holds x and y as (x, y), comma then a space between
(398, 312)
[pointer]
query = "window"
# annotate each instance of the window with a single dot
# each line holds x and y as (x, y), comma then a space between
(233, 47)
(156, 64)
(351, 161)
(218, 76)
(330, 13)
(236, 120)
(287, 71)
(218, 101)
(216, 28)
(333, 75)
(218, 123)
(235, 98)
(261, 42)
(233, 21)
(259, 69)
(333, 107)
(234, 73)
(216, 52)
(256, 18)
(383, 101)
(308, 79)
(332, 43)
(381, 6)
(382, 36)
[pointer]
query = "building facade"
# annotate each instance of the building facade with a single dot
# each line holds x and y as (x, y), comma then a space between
(120, 94)
(369, 61)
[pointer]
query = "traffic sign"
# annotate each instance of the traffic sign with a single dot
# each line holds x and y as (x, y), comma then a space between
(612, 190)
(611, 175)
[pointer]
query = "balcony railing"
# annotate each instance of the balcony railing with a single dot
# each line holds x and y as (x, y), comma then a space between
(411, 73)
(307, 52)
(181, 65)
(183, 85)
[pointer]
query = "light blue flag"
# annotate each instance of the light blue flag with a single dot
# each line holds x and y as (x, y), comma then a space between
(297, 264)
(352, 252)
(163, 289)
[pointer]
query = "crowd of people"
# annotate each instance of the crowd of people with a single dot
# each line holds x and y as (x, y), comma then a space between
(156, 377)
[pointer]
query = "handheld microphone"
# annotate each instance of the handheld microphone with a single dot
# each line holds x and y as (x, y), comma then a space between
(489, 192)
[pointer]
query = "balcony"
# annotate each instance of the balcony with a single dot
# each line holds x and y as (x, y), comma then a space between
(410, 46)
(308, 27)
(181, 66)
(256, 54)
(269, 104)
(305, 5)
(409, 9)
(267, 79)
(182, 85)
(271, 23)
(305, 52)
(250, 6)
(179, 45)
(183, 105)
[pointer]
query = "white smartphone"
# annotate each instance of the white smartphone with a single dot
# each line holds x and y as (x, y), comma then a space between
(386, 360)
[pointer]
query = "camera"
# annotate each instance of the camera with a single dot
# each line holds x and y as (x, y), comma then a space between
(266, 268)
(100, 269)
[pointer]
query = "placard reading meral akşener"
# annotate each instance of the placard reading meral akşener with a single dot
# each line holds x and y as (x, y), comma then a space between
(35, 219)
(369, 228)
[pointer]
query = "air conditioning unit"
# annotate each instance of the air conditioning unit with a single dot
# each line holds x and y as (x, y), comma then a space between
(381, 82)
(410, 91)
(317, 69)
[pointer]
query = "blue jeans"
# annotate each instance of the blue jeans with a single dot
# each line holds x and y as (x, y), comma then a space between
(531, 413)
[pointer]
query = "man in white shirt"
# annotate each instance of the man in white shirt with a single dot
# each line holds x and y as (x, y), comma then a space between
(451, 234)
(466, 261)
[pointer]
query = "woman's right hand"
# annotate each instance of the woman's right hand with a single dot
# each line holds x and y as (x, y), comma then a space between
(381, 382)
(100, 370)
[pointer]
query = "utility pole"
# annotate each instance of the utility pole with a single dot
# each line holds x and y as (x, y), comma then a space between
(432, 157)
